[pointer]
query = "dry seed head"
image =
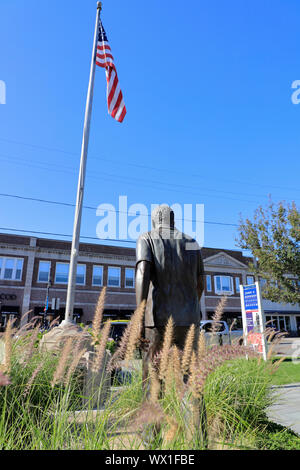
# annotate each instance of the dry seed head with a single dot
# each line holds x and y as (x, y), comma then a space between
(33, 338)
(78, 353)
(168, 336)
(172, 431)
(149, 413)
(192, 383)
(276, 365)
(62, 364)
(4, 380)
(101, 347)
(98, 315)
(32, 378)
(188, 348)
(177, 370)
(232, 325)
(74, 364)
(8, 347)
(135, 331)
(24, 317)
(201, 345)
(154, 385)
(121, 349)
(217, 316)
(270, 351)
(169, 376)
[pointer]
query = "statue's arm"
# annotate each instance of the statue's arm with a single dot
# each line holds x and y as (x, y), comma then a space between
(142, 281)
(200, 286)
(201, 280)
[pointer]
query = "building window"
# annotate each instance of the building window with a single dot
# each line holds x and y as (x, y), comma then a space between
(97, 275)
(208, 283)
(114, 277)
(237, 285)
(44, 271)
(250, 280)
(223, 285)
(129, 278)
(62, 273)
(11, 269)
(80, 276)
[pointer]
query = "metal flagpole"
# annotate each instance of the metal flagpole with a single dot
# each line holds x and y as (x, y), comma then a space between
(80, 190)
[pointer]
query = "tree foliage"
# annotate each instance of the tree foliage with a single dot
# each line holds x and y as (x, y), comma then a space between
(273, 238)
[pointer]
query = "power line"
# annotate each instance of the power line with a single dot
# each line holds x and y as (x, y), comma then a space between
(147, 167)
(136, 181)
(36, 232)
(66, 204)
(116, 178)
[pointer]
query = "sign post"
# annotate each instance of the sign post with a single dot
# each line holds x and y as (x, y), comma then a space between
(253, 318)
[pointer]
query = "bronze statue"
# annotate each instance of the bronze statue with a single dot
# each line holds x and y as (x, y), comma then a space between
(170, 276)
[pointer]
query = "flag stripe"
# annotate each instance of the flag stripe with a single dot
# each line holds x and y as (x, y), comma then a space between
(104, 56)
(116, 104)
(104, 59)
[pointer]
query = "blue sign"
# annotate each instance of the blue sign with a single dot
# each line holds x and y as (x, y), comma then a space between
(249, 321)
(250, 298)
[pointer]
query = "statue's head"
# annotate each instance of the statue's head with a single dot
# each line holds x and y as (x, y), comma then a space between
(162, 216)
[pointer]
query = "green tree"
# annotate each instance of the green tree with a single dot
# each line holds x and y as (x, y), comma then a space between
(273, 238)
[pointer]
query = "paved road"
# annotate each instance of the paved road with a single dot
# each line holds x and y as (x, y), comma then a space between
(288, 347)
(286, 409)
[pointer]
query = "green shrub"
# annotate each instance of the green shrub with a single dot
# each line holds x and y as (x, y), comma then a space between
(237, 396)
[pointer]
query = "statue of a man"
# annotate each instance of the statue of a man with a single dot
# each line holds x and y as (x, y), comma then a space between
(170, 276)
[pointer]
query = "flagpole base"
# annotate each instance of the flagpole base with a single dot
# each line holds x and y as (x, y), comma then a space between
(67, 323)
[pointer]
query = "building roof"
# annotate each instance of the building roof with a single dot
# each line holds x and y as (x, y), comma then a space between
(104, 249)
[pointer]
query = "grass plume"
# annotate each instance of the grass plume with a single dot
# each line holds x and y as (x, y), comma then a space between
(218, 314)
(63, 361)
(135, 331)
(97, 320)
(168, 337)
(8, 347)
(188, 348)
(101, 347)
(201, 350)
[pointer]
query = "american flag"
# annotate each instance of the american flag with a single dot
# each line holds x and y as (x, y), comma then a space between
(104, 58)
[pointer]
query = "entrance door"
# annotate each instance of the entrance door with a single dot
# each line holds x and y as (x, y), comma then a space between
(280, 322)
(298, 324)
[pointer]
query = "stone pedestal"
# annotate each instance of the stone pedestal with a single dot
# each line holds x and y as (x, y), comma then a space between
(96, 384)
(55, 339)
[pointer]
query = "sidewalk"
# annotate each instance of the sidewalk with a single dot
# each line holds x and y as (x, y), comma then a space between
(286, 409)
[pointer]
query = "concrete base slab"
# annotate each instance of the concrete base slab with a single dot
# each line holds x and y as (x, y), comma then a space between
(286, 409)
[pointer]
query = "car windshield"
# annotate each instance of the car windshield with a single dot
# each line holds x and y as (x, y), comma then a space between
(208, 326)
(117, 330)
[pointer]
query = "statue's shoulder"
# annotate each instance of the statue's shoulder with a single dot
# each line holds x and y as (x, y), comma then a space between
(188, 239)
(144, 237)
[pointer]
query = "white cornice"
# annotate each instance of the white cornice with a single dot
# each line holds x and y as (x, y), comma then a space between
(232, 262)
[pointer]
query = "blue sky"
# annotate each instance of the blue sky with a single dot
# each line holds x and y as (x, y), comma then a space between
(207, 86)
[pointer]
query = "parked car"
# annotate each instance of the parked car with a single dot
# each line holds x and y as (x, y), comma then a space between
(223, 336)
(117, 329)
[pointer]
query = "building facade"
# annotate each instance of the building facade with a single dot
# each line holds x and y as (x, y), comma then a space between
(34, 269)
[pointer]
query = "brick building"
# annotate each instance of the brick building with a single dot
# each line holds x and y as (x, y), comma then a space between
(28, 264)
